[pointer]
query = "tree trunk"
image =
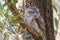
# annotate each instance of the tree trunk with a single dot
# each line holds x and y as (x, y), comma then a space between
(45, 7)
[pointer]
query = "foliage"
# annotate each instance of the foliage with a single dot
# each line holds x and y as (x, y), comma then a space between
(1, 25)
(15, 1)
(9, 22)
(54, 7)
(56, 21)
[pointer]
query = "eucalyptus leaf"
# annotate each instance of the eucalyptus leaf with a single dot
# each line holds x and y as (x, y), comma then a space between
(54, 7)
(1, 11)
(1, 25)
(6, 15)
(15, 1)
(56, 22)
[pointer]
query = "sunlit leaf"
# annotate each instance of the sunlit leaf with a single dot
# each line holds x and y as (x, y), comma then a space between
(6, 15)
(1, 25)
(54, 7)
(15, 1)
(3, 5)
(1, 11)
(12, 20)
(11, 30)
(56, 21)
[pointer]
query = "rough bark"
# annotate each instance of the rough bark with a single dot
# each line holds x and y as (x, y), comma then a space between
(45, 7)
(15, 12)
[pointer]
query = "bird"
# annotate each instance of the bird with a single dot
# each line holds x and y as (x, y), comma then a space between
(33, 19)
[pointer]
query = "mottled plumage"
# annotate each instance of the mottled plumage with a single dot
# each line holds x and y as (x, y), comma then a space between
(31, 16)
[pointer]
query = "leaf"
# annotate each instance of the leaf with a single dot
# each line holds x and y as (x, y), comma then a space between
(4, 5)
(13, 20)
(56, 22)
(15, 1)
(1, 25)
(21, 21)
(6, 15)
(0, 4)
(1, 11)
(54, 7)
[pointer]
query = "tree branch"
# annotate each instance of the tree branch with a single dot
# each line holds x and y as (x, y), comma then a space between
(15, 12)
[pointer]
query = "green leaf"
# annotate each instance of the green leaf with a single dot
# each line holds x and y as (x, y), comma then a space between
(1, 25)
(21, 21)
(4, 5)
(54, 7)
(1, 11)
(15, 1)
(56, 21)
(13, 20)
(6, 15)
(0, 4)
